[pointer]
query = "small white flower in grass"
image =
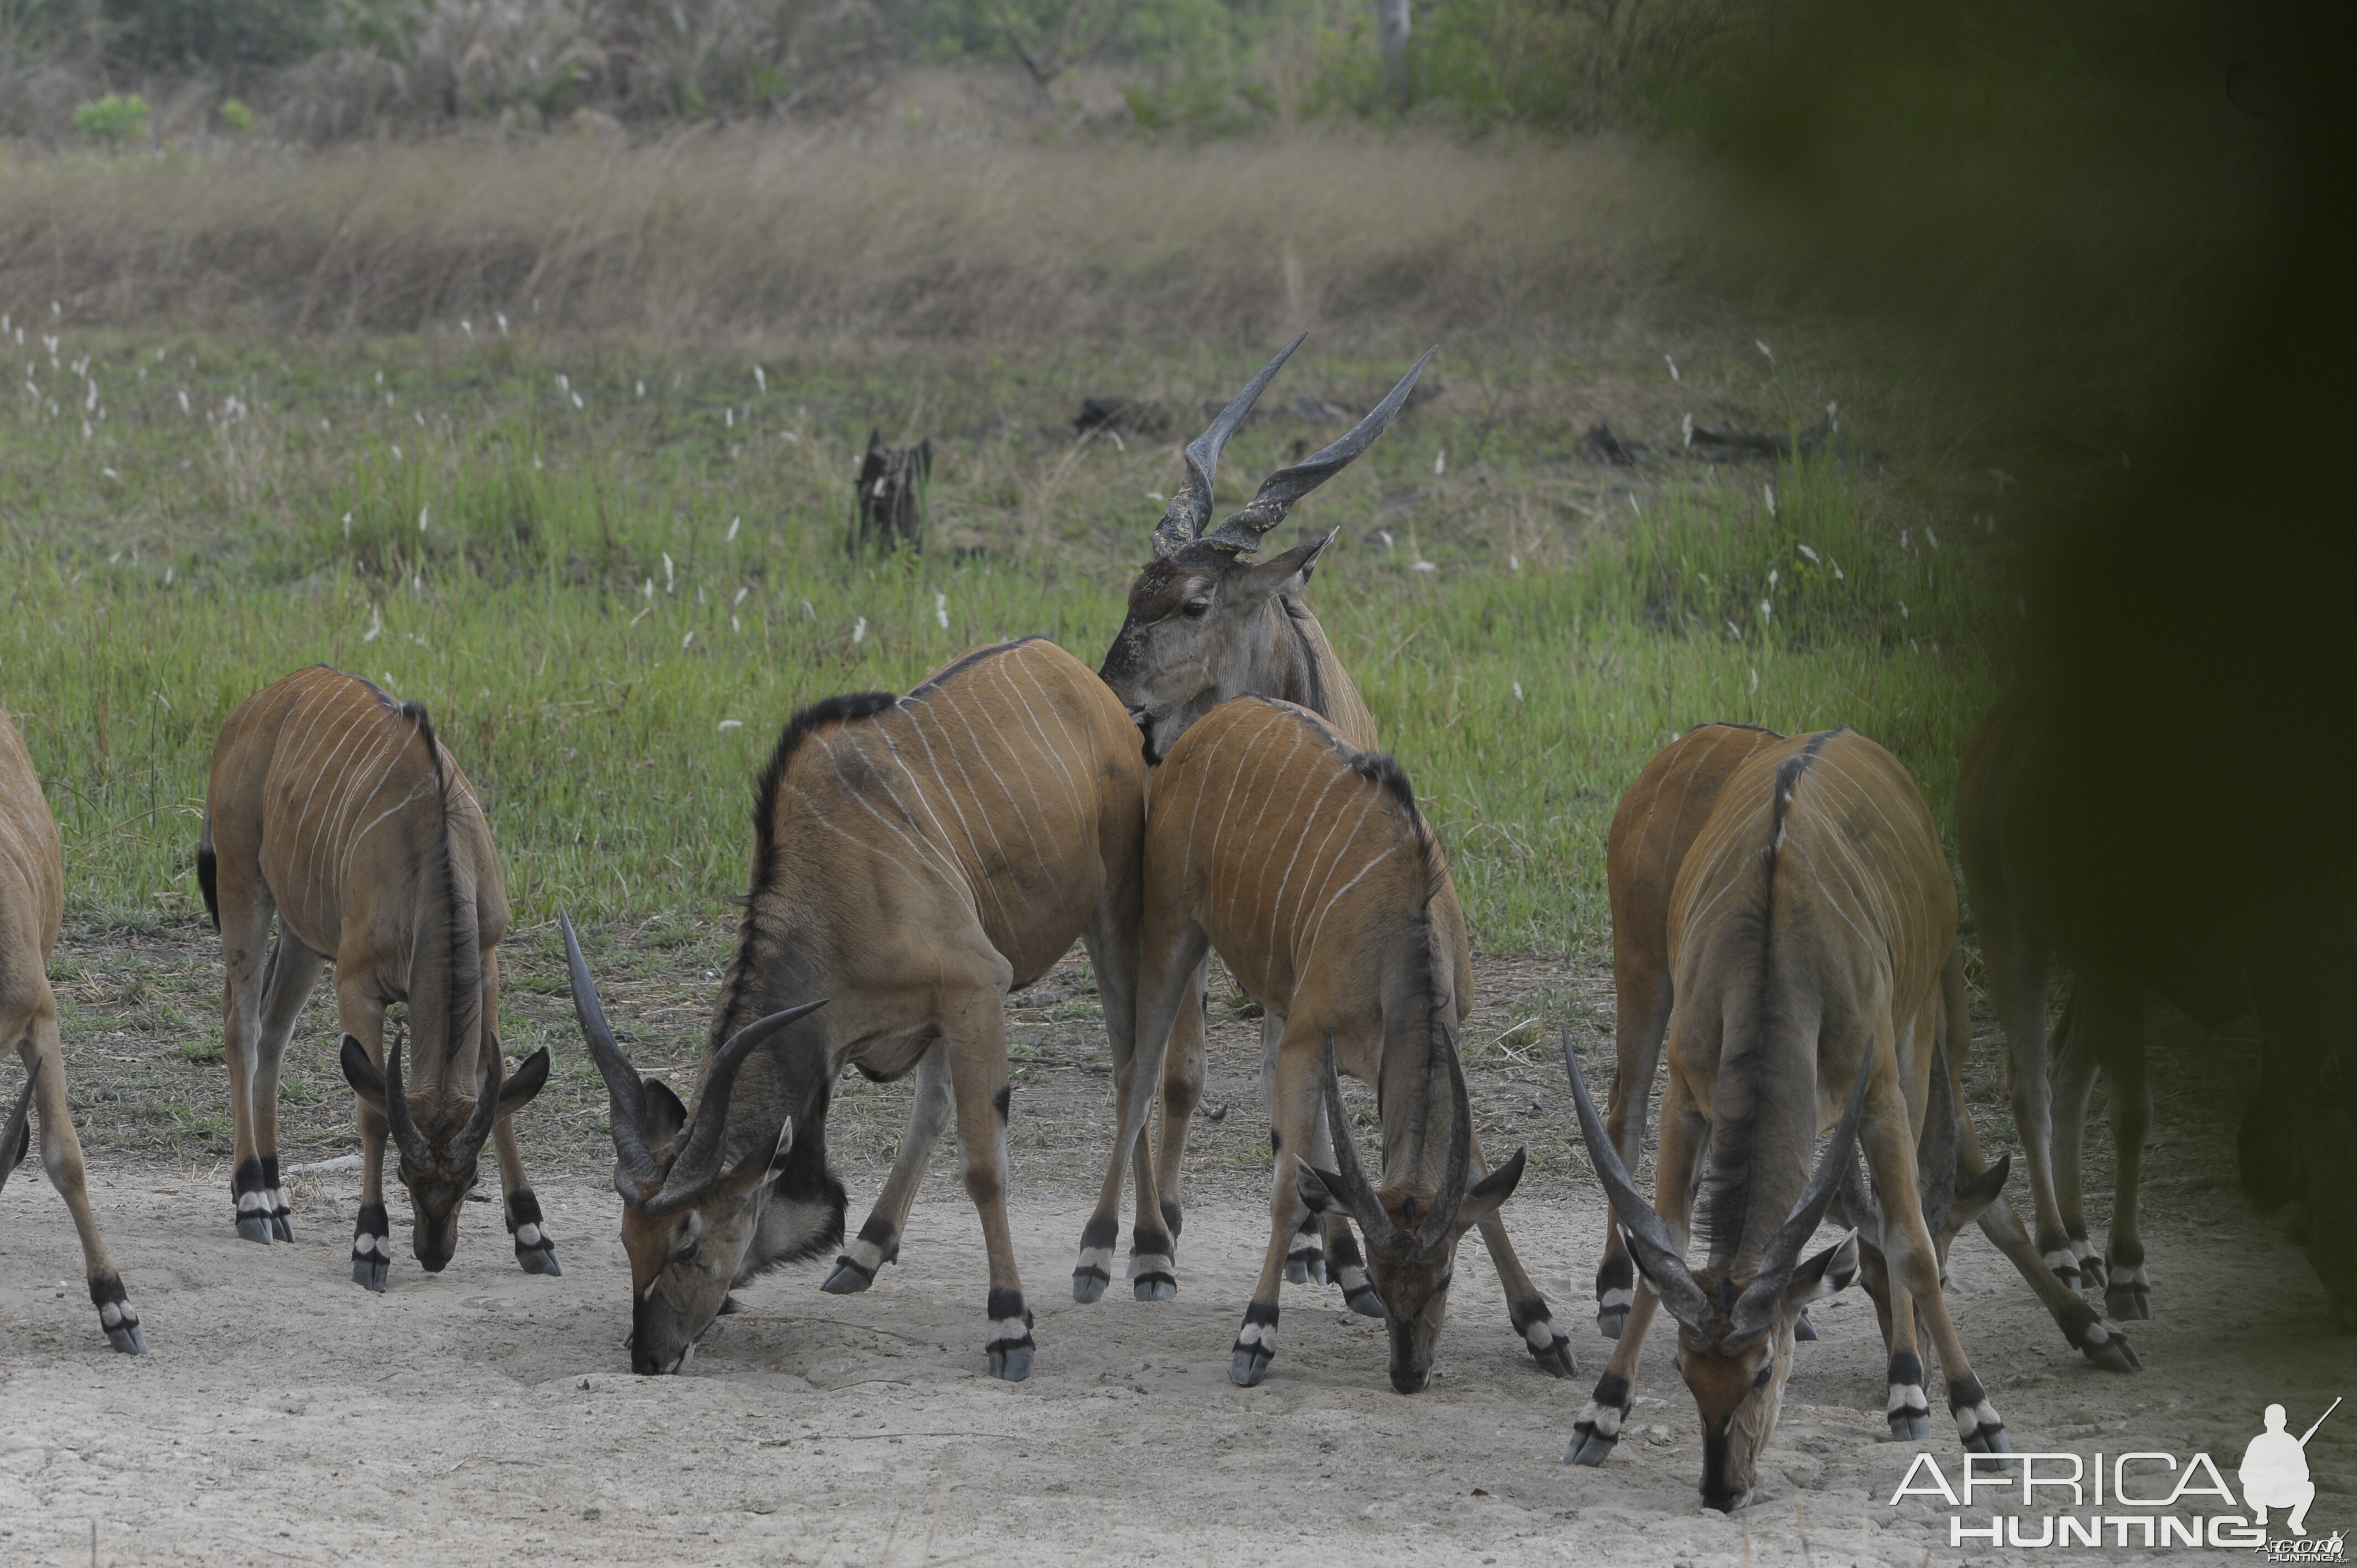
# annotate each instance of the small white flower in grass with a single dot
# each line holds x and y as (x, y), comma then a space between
(1832, 416)
(789, 438)
(379, 378)
(728, 418)
(1425, 566)
(736, 625)
(1755, 679)
(563, 382)
(727, 724)
(535, 462)
(761, 378)
(1689, 429)
(1929, 537)
(1913, 646)
(503, 316)
(941, 610)
(1440, 463)
(1904, 614)
(1673, 368)
(184, 401)
(376, 626)
(670, 584)
(324, 426)
(1806, 551)
(1769, 492)
(859, 630)
(1838, 578)
(734, 524)
(1386, 535)
(348, 525)
(169, 574)
(1518, 690)
(740, 597)
(1155, 496)
(1767, 611)
(1771, 577)
(110, 473)
(577, 403)
(686, 640)
(647, 590)
(735, 449)
(421, 420)
(1906, 538)
(423, 514)
(396, 451)
(1770, 354)
(1513, 562)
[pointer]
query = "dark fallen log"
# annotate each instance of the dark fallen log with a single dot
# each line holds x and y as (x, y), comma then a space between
(889, 505)
(1606, 447)
(1725, 444)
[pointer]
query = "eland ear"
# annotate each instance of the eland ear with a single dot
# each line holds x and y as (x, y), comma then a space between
(1484, 1197)
(1321, 1191)
(527, 1081)
(666, 1114)
(1259, 579)
(366, 1078)
(1831, 1270)
(1977, 1195)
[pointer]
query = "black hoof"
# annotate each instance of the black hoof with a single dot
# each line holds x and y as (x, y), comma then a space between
(369, 1273)
(1297, 1270)
(1088, 1283)
(1588, 1446)
(254, 1228)
(2129, 1301)
(1556, 1360)
(848, 1279)
(1154, 1287)
(1909, 1427)
(117, 1316)
(1610, 1320)
(1802, 1329)
(1362, 1299)
(2094, 1273)
(540, 1259)
(282, 1227)
(1249, 1365)
(1011, 1363)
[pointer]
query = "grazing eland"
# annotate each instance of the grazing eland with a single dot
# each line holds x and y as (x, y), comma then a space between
(1305, 862)
(334, 808)
(1811, 930)
(915, 859)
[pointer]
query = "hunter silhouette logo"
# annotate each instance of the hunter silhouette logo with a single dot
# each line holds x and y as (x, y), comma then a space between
(2275, 1471)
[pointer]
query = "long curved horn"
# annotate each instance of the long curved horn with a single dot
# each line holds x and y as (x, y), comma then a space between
(1649, 1239)
(1191, 509)
(1757, 1307)
(1434, 1232)
(17, 1135)
(1366, 1206)
(707, 1144)
(405, 1135)
(624, 1091)
(1243, 530)
(468, 1142)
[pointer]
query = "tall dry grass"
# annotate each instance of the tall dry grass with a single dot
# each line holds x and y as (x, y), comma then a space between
(834, 237)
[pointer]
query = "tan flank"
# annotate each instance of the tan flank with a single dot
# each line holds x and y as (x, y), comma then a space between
(334, 808)
(1304, 861)
(1811, 930)
(32, 905)
(914, 859)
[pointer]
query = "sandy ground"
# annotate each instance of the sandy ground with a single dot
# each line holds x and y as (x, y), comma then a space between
(488, 1417)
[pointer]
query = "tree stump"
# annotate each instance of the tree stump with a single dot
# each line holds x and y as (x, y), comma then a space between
(888, 509)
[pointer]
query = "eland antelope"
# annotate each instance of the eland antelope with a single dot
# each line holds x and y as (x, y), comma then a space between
(32, 907)
(1811, 931)
(1652, 828)
(1305, 862)
(335, 807)
(914, 858)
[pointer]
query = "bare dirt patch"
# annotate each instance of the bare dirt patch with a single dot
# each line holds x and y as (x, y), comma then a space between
(286, 1415)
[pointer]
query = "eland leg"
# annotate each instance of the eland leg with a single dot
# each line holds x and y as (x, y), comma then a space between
(292, 972)
(1526, 1309)
(2077, 1064)
(1641, 1022)
(2117, 1016)
(878, 1242)
(361, 1012)
(975, 1036)
(1292, 1115)
(40, 1050)
(246, 915)
(1172, 953)
(1182, 1093)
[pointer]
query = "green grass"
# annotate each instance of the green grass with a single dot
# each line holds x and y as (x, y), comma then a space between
(583, 625)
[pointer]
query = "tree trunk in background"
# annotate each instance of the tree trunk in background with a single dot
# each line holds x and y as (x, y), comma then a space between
(1391, 48)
